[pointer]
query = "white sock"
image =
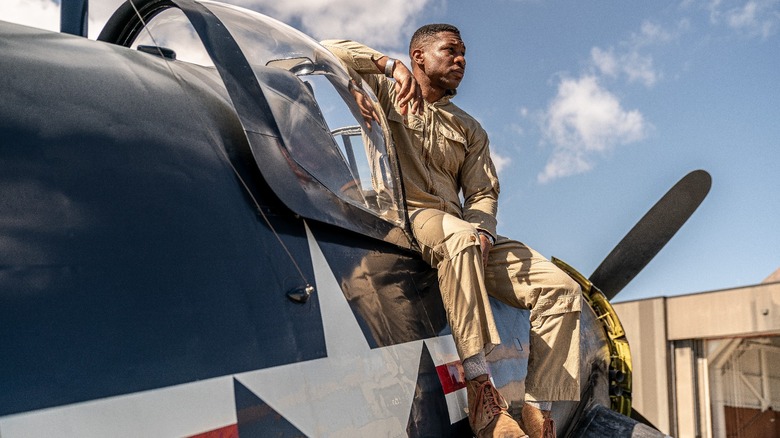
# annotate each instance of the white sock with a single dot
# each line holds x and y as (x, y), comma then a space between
(475, 366)
(541, 405)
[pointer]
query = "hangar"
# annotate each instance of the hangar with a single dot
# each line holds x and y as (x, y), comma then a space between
(708, 364)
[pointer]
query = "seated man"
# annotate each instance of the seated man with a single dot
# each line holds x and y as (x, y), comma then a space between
(443, 151)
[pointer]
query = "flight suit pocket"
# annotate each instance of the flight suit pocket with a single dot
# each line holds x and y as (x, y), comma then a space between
(450, 149)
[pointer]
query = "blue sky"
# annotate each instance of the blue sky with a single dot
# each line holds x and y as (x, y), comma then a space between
(595, 109)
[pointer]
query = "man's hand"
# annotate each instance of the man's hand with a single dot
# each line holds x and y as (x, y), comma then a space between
(407, 89)
(485, 245)
(364, 103)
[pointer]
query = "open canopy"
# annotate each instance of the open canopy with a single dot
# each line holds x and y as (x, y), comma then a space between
(295, 103)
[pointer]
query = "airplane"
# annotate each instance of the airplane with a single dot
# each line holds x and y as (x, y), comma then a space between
(219, 247)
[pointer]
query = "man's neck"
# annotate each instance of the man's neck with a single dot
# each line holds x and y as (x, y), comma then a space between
(430, 93)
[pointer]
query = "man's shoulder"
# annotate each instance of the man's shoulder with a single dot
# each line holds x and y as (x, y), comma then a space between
(468, 121)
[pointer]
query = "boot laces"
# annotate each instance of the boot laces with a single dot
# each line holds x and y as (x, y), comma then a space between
(487, 398)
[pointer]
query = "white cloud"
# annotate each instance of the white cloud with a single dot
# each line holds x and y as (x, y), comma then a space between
(99, 13)
(605, 61)
(43, 14)
(380, 23)
(652, 33)
(755, 18)
(635, 67)
(639, 68)
(585, 120)
(628, 59)
(564, 163)
(500, 161)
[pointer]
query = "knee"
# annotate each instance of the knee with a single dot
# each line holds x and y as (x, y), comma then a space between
(559, 294)
(443, 233)
(568, 285)
(459, 241)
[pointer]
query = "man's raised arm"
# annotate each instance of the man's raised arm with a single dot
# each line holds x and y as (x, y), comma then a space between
(367, 61)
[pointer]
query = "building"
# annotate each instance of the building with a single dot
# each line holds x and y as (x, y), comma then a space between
(708, 364)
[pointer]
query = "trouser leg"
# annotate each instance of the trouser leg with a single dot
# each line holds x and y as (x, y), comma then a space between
(452, 247)
(521, 277)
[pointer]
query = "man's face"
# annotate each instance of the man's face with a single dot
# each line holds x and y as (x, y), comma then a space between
(445, 60)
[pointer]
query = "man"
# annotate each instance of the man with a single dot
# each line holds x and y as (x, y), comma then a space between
(444, 152)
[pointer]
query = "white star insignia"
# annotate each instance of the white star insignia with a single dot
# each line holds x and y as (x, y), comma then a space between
(356, 390)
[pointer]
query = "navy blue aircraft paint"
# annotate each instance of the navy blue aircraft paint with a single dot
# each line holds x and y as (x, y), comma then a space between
(201, 236)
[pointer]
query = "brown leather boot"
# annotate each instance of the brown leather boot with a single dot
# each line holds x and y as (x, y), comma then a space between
(488, 416)
(537, 422)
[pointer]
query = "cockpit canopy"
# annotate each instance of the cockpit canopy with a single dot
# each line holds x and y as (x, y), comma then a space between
(298, 107)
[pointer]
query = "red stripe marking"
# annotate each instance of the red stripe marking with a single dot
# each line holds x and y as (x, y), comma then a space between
(451, 376)
(223, 432)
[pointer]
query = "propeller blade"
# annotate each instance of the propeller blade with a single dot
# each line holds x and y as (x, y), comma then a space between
(651, 233)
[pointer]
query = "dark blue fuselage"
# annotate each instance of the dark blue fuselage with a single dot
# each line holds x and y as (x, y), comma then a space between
(140, 246)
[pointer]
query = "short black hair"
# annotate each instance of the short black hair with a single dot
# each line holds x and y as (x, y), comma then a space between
(423, 34)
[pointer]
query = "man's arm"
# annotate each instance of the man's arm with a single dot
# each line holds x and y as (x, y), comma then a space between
(480, 187)
(367, 61)
(359, 57)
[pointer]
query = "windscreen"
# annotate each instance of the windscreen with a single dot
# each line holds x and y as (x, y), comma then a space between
(316, 107)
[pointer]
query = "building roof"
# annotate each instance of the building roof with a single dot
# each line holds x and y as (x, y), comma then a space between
(775, 276)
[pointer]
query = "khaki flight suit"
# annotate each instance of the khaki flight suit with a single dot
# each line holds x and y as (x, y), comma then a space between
(443, 152)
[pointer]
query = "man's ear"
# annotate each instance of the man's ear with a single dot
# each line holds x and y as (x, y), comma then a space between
(417, 57)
